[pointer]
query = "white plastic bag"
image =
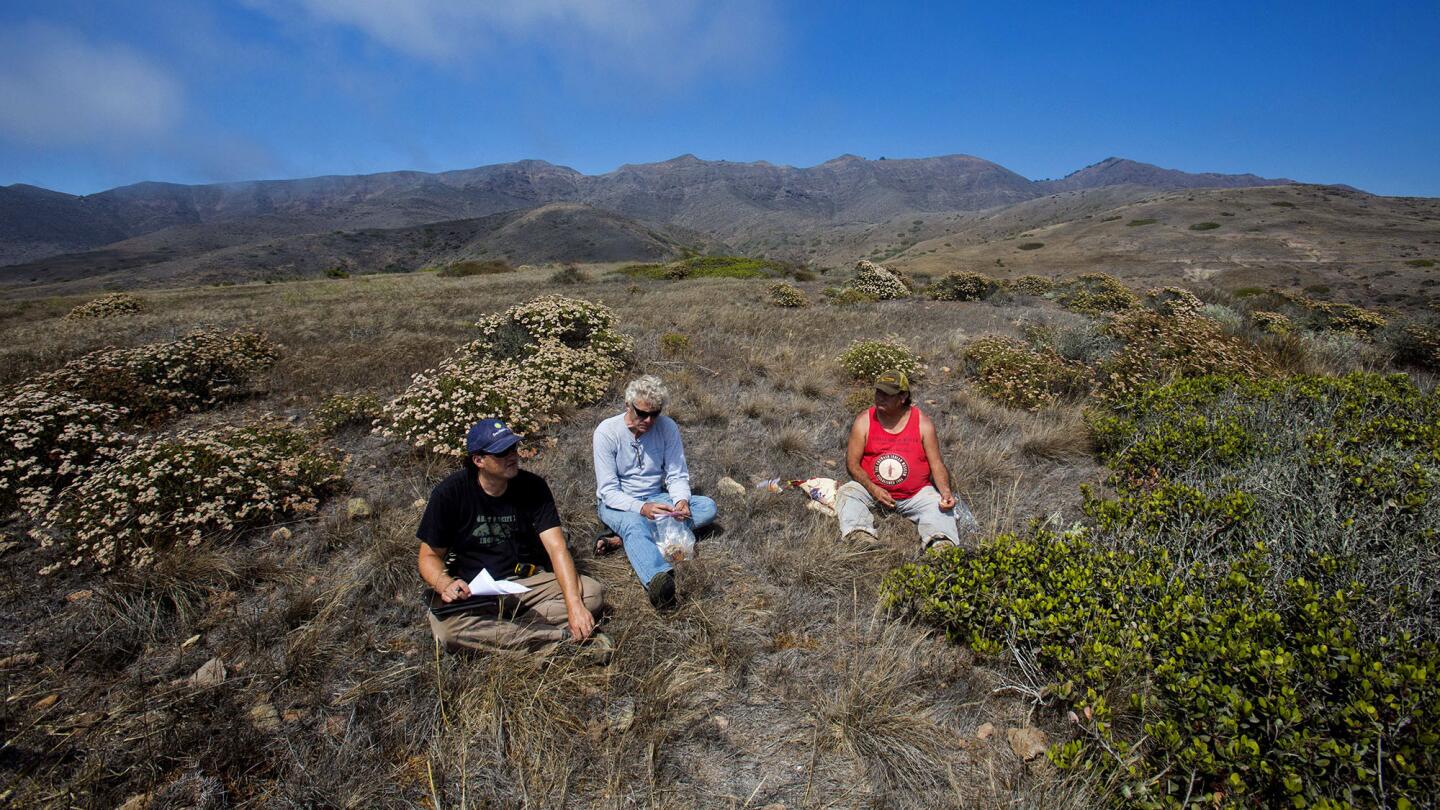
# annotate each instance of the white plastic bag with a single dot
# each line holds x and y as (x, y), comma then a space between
(674, 538)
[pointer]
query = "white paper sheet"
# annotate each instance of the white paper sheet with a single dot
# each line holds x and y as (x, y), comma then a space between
(485, 585)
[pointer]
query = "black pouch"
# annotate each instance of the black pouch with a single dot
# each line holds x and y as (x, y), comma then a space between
(476, 605)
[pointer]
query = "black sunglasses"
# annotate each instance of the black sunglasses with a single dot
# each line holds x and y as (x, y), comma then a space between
(506, 453)
(639, 414)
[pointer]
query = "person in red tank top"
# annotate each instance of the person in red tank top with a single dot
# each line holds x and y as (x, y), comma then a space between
(894, 458)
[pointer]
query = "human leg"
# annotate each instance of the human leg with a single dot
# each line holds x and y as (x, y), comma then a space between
(534, 622)
(702, 511)
(852, 504)
(638, 532)
(933, 522)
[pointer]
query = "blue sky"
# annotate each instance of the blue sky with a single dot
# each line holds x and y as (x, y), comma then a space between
(95, 95)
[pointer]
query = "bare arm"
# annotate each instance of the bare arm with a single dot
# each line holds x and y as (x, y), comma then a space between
(432, 570)
(939, 473)
(582, 623)
(854, 451)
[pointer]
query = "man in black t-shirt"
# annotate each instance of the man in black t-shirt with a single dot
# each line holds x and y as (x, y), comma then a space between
(490, 515)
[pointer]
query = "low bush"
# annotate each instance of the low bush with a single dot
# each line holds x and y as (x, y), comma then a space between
(337, 272)
(1158, 348)
(711, 267)
(1031, 245)
(1135, 223)
(191, 488)
(528, 364)
(963, 286)
(346, 411)
(47, 440)
(1420, 263)
(782, 294)
(1272, 323)
(877, 282)
(1022, 376)
(164, 379)
(1031, 285)
(1174, 301)
(674, 344)
(475, 267)
(864, 360)
(106, 306)
(1097, 294)
(1414, 343)
(848, 296)
(1204, 226)
(1345, 318)
(569, 274)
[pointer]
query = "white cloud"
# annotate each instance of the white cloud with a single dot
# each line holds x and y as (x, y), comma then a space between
(56, 87)
(665, 41)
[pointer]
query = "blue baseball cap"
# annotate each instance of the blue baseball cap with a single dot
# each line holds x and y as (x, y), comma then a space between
(489, 436)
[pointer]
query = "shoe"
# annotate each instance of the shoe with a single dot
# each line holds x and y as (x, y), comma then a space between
(661, 590)
(863, 539)
(938, 542)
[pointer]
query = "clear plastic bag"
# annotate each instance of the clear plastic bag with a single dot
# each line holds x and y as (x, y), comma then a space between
(674, 538)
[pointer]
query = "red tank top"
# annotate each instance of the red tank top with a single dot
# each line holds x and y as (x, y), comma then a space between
(896, 461)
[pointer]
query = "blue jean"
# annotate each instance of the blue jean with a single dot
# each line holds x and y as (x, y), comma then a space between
(638, 532)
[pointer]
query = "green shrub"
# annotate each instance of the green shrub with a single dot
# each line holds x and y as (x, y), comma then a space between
(1031, 285)
(528, 364)
(164, 379)
(475, 267)
(877, 282)
(1031, 245)
(1246, 292)
(1421, 263)
(569, 274)
(674, 344)
(1414, 343)
(786, 295)
(1283, 204)
(1097, 294)
(1272, 323)
(337, 272)
(1021, 376)
(848, 296)
(963, 286)
(191, 488)
(1204, 226)
(1345, 318)
(1135, 223)
(345, 411)
(106, 306)
(864, 360)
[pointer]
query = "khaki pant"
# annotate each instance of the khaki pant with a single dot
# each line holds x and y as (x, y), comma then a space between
(533, 622)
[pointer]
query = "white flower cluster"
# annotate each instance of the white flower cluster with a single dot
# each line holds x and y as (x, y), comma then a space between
(189, 487)
(877, 282)
(47, 440)
(188, 374)
(106, 306)
(782, 294)
(571, 352)
(867, 359)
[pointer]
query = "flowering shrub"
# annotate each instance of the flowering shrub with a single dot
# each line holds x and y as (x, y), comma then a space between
(1016, 374)
(963, 287)
(1031, 285)
(848, 296)
(47, 439)
(1415, 343)
(529, 363)
(190, 488)
(782, 294)
(1174, 301)
(1157, 348)
(866, 359)
(342, 411)
(873, 280)
(1272, 323)
(1345, 318)
(1097, 294)
(106, 306)
(164, 379)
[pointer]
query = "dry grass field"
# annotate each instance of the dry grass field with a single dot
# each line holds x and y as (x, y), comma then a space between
(778, 682)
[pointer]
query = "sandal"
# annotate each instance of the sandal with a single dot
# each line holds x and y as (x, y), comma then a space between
(607, 542)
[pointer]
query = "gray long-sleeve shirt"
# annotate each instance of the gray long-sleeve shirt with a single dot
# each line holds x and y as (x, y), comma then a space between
(628, 470)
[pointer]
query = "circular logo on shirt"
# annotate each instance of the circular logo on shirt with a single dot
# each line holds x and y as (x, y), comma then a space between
(890, 469)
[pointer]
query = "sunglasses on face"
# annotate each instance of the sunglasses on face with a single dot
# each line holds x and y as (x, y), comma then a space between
(512, 450)
(639, 414)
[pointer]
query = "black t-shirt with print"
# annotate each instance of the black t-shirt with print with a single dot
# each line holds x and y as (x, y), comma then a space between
(472, 530)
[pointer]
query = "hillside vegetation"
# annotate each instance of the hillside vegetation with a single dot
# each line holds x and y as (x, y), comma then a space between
(1205, 574)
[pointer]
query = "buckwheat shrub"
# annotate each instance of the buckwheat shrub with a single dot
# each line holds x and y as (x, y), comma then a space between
(106, 306)
(873, 280)
(1031, 285)
(1272, 323)
(346, 410)
(964, 286)
(1022, 376)
(48, 439)
(783, 294)
(1097, 294)
(866, 359)
(1173, 301)
(529, 363)
(164, 379)
(191, 488)
(1157, 348)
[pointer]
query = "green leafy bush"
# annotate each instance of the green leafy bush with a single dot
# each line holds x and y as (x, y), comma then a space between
(963, 286)
(1204, 226)
(191, 488)
(674, 344)
(1097, 294)
(528, 364)
(569, 274)
(1031, 245)
(1135, 223)
(163, 379)
(337, 272)
(475, 267)
(106, 306)
(1031, 285)
(1420, 263)
(1013, 373)
(864, 360)
(786, 295)
(877, 282)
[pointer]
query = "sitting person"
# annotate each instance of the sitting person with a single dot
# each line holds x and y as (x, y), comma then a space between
(640, 474)
(894, 458)
(492, 515)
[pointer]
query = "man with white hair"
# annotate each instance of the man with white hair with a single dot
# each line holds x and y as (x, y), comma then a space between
(640, 474)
